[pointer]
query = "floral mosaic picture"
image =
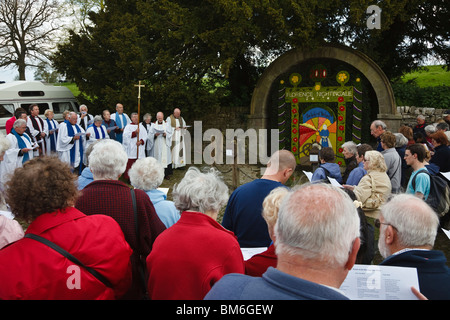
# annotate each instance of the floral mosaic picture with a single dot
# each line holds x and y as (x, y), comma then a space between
(318, 113)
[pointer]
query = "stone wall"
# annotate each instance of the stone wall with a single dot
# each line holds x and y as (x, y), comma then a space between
(223, 118)
(409, 114)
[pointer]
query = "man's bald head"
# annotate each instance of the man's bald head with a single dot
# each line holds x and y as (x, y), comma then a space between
(280, 166)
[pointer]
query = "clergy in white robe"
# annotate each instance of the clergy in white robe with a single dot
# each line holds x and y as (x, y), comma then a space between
(147, 123)
(84, 118)
(71, 142)
(178, 145)
(52, 129)
(19, 152)
(121, 119)
(38, 129)
(134, 141)
(161, 132)
(96, 131)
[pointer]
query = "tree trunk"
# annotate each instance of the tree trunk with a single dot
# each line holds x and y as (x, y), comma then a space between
(22, 71)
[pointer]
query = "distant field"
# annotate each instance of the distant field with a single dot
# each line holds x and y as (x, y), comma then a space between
(72, 87)
(429, 76)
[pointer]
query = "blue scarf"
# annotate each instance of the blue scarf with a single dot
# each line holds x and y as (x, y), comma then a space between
(119, 136)
(53, 137)
(97, 133)
(71, 133)
(22, 144)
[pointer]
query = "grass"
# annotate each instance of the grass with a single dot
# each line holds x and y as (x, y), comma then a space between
(72, 87)
(429, 76)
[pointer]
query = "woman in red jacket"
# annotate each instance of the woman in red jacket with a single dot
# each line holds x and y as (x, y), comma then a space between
(193, 254)
(44, 191)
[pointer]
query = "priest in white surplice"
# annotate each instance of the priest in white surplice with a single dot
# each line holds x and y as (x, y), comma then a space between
(71, 143)
(161, 132)
(131, 143)
(19, 152)
(178, 145)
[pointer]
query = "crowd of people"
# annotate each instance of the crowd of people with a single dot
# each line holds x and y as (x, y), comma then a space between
(94, 236)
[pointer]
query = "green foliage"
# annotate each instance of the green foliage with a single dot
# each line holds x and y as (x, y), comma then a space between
(408, 94)
(428, 76)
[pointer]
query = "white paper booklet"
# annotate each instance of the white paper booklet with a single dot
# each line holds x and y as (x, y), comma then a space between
(375, 282)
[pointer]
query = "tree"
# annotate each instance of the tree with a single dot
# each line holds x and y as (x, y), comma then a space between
(27, 30)
(184, 48)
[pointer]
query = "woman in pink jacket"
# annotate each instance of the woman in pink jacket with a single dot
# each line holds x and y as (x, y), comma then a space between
(44, 191)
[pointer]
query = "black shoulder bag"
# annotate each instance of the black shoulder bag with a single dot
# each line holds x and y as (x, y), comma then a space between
(141, 263)
(70, 257)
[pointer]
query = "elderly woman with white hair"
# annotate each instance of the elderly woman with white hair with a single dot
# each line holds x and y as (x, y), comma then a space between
(191, 256)
(110, 196)
(147, 174)
(96, 131)
(375, 187)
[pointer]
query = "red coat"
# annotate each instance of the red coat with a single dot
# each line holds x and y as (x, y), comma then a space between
(258, 264)
(113, 198)
(189, 257)
(32, 270)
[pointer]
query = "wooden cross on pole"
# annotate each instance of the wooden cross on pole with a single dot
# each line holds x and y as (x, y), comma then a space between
(139, 113)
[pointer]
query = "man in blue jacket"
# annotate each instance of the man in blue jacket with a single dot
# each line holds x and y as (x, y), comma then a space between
(243, 214)
(316, 243)
(408, 228)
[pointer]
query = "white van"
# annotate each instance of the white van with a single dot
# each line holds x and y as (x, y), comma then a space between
(18, 94)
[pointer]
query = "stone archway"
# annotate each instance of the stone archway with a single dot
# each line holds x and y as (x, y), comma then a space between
(387, 110)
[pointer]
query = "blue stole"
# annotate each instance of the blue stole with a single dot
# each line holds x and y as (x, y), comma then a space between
(119, 136)
(53, 137)
(97, 133)
(71, 133)
(22, 144)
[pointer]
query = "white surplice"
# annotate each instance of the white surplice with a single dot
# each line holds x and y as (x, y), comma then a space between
(161, 144)
(11, 158)
(179, 146)
(63, 145)
(129, 143)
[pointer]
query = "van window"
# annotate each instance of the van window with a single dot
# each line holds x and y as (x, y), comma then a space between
(6, 110)
(42, 107)
(60, 107)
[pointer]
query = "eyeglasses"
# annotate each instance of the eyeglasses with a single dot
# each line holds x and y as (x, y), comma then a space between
(378, 224)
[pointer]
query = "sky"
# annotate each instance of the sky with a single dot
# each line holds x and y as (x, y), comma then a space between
(9, 74)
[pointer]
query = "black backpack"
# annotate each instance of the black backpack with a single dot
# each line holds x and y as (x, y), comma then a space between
(439, 197)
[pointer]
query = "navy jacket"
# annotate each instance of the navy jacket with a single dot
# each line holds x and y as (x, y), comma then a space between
(433, 273)
(243, 214)
(273, 285)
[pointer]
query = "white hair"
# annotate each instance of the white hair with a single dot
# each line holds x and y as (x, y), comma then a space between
(318, 222)
(379, 123)
(430, 128)
(400, 140)
(199, 191)
(351, 147)
(146, 174)
(98, 118)
(108, 160)
(18, 123)
(416, 222)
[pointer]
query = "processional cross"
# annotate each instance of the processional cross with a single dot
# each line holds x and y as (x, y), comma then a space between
(139, 113)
